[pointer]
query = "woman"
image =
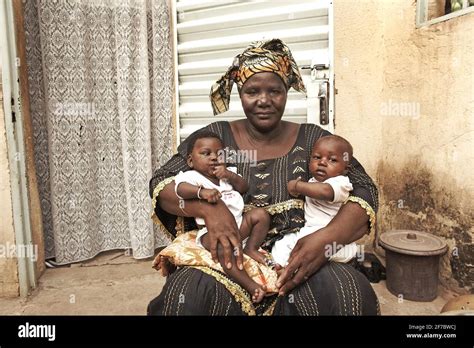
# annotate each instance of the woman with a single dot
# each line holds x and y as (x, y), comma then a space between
(309, 285)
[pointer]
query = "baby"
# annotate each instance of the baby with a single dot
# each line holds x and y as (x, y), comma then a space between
(210, 180)
(325, 192)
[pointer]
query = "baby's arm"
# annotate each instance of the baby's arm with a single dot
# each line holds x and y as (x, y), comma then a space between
(237, 182)
(317, 190)
(189, 191)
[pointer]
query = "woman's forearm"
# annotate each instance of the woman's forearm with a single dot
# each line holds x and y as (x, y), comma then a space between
(349, 225)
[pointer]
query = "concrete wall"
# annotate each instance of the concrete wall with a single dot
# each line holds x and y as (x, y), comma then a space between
(8, 266)
(406, 102)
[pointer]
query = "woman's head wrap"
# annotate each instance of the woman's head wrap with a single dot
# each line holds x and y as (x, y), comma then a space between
(261, 56)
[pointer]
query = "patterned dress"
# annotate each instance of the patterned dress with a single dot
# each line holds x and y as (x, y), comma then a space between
(336, 289)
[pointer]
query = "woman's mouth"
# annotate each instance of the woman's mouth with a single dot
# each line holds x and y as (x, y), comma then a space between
(264, 116)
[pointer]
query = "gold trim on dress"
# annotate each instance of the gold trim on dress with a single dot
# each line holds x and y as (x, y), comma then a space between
(368, 209)
(161, 185)
(271, 308)
(240, 295)
(279, 207)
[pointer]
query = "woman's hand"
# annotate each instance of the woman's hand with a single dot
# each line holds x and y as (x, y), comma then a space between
(223, 230)
(292, 187)
(305, 259)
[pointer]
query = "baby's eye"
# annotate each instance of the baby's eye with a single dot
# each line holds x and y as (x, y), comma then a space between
(316, 157)
(333, 160)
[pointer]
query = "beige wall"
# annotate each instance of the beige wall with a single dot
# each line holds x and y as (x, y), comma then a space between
(422, 159)
(8, 266)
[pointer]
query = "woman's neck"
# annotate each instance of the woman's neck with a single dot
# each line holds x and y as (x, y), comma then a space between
(264, 137)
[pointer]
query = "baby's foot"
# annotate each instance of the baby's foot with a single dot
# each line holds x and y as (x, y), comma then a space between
(258, 295)
(256, 255)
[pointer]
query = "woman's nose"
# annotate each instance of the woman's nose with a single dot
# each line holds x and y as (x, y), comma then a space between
(262, 99)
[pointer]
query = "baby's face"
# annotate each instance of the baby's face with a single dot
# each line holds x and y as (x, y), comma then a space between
(205, 155)
(328, 159)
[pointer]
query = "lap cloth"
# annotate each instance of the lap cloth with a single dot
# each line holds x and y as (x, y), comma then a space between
(336, 289)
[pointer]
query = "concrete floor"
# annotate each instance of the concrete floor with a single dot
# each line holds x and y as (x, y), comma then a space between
(115, 284)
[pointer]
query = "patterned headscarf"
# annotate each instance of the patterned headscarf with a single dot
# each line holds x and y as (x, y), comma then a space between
(261, 56)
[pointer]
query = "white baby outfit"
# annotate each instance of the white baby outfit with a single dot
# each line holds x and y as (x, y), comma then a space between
(317, 214)
(232, 199)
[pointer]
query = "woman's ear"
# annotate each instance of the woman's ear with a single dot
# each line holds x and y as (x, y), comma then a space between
(189, 160)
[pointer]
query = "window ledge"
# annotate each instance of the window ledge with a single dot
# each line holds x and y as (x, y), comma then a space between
(446, 17)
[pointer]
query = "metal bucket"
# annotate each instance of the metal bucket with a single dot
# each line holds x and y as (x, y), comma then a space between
(412, 263)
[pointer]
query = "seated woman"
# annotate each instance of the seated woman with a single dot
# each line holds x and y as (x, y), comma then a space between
(309, 285)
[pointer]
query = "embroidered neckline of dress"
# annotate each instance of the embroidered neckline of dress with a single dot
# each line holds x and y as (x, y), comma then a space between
(296, 143)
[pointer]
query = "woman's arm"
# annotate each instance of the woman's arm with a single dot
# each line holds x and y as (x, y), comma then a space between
(349, 224)
(219, 221)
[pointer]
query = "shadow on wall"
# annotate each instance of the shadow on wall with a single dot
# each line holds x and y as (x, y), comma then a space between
(410, 200)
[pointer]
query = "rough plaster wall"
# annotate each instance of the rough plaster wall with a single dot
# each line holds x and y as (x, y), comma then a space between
(8, 266)
(423, 162)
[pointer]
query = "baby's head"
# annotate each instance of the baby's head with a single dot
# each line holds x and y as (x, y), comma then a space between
(204, 149)
(330, 157)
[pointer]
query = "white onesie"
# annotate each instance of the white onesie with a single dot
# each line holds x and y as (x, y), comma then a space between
(317, 214)
(232, 199)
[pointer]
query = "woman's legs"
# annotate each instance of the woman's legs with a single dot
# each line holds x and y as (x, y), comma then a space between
(336, 289)
(189, 291)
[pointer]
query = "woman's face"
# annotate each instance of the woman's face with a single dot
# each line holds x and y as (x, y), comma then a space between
(263, 98)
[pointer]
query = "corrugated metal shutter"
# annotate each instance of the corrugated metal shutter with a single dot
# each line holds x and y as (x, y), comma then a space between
(211, 33)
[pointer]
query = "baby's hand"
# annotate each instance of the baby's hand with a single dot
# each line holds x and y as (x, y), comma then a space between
(279, 269)
(162, 263)
(210, 195)
(292, 187)
(221, 172)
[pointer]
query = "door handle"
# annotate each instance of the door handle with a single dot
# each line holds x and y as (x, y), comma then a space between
(323, 96)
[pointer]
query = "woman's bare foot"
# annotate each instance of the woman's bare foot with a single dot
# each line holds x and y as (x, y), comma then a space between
(256, 255)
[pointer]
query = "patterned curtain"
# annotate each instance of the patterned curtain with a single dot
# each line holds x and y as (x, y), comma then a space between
(101, 92)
